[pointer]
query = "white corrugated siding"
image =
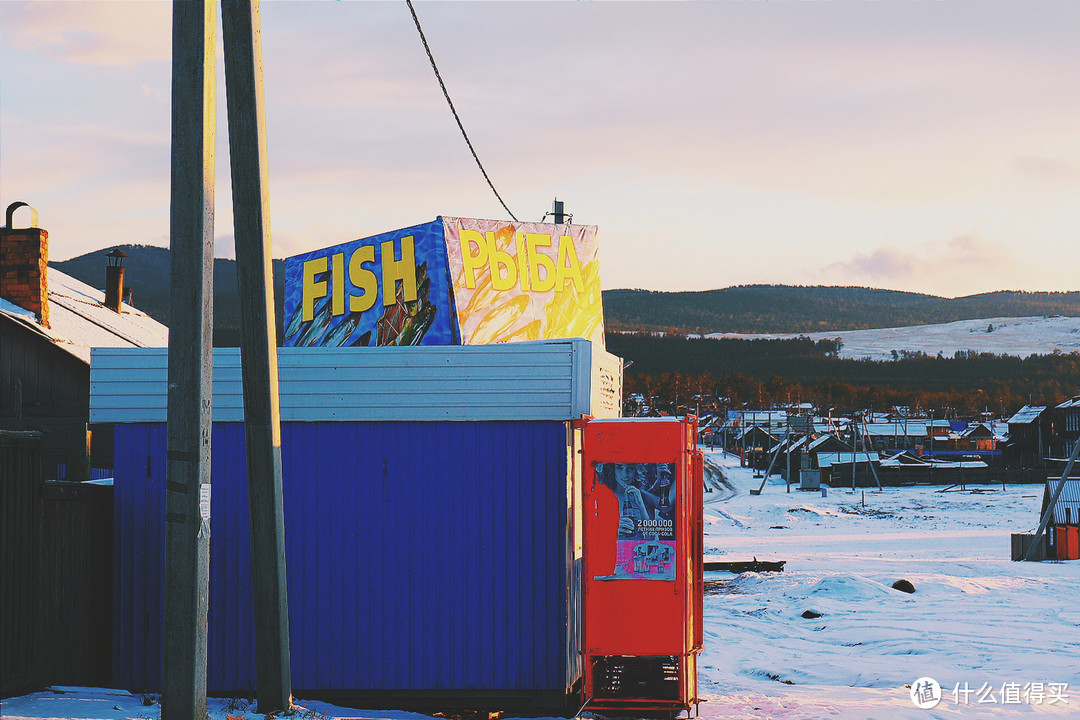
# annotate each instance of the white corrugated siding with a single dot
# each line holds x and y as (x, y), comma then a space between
(1067, 509)
(544, 380)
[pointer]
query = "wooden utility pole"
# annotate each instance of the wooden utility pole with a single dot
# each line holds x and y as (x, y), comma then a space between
(191, 240)
(259, 368)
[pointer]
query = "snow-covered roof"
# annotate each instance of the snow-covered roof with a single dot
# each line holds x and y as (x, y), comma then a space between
(1071, 403)
(947, 464)
(760, 417)
(977, 430)
(752, 430)
(1027, 414)
(904, 459)
(818, 442)
(79, 320)
(828, 459)
(824, 426)
(899, 428)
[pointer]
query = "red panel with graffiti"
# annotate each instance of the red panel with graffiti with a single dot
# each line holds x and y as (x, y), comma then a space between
(643, 563)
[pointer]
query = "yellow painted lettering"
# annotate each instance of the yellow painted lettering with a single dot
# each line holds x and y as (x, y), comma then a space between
(472, 261)
(337, 276)
(363, 279)
(567, 267)
(538, 260)
(501, 261)
(523, 262)
(403, 270)
(313, 289)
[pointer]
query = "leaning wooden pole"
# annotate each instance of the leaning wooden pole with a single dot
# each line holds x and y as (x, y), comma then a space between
(258, 347)
(187, 481)
(1048, 514)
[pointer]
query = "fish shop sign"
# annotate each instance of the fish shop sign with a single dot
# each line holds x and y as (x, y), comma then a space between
(448, 282)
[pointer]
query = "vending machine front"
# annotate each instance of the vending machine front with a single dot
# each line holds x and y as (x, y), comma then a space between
(643, 546)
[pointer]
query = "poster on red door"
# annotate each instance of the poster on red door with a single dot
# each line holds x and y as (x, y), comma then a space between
(645, 545)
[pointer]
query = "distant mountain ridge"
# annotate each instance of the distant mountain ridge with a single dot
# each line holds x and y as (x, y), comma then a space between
(147, 275)
(796, 309)
(742, 308)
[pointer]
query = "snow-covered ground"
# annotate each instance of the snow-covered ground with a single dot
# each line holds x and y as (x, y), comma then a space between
(986, 629)
(976, 620)
(1021, 336)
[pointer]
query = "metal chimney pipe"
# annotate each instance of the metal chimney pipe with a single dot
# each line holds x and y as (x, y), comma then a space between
(114, 279)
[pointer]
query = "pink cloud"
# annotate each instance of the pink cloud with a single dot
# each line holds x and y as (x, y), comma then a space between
(962, 265)
(112, 34)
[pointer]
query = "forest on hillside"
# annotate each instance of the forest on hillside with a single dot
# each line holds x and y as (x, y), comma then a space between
(762, 373)
(795, 309)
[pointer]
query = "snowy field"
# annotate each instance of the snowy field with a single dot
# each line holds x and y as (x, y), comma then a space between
(1001, 638)
(1021, 336)
(976, 621)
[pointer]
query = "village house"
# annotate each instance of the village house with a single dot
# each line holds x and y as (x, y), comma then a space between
(1065, 428)
(1029, 434)
(49, 322)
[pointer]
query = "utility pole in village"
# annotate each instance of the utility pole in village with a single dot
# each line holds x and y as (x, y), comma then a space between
(187, 518)
(187, 477)
(258, 349)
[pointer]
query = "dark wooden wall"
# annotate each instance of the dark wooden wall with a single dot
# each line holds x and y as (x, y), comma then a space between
(20, 502)
(54, 388)
(55, 574)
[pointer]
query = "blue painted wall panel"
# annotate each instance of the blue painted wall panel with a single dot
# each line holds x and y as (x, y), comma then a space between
(138, 553)
(420, 556)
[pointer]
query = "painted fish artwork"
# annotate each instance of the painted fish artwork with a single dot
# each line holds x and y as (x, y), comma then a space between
(310, 333)
(297, 328)
(406, 323)
(341, 333)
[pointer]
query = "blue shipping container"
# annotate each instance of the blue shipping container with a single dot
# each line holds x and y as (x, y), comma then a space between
(421, 556)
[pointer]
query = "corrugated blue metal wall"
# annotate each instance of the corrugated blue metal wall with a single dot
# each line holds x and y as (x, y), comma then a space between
(421, 556)
(138, 547)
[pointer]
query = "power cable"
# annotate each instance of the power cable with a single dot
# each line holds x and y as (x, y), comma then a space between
(449, 102)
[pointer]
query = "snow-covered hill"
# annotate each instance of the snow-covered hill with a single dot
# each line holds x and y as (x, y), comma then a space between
(1020, 336)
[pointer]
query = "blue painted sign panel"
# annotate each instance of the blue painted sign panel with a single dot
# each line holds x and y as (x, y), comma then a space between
(390, 289)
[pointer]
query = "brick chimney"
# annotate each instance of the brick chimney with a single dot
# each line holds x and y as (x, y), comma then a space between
(24, 259)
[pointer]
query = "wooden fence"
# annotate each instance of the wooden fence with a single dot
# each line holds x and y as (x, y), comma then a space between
(916, 475)
(55, 575)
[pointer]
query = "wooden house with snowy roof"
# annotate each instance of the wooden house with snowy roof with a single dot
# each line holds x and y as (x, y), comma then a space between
(49, 322)
(977, 436)
(1065, 428)
(1028, 437)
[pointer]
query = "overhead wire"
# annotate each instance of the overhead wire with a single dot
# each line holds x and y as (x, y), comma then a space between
(446, 94)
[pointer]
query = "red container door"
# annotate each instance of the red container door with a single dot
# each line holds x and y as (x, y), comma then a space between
(1061, 542)
(643, 560)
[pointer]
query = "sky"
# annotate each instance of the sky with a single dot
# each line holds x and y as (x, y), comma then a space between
(929, 147)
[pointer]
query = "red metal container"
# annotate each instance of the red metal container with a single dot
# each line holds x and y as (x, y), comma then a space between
(1067, 542)
(642, 502)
